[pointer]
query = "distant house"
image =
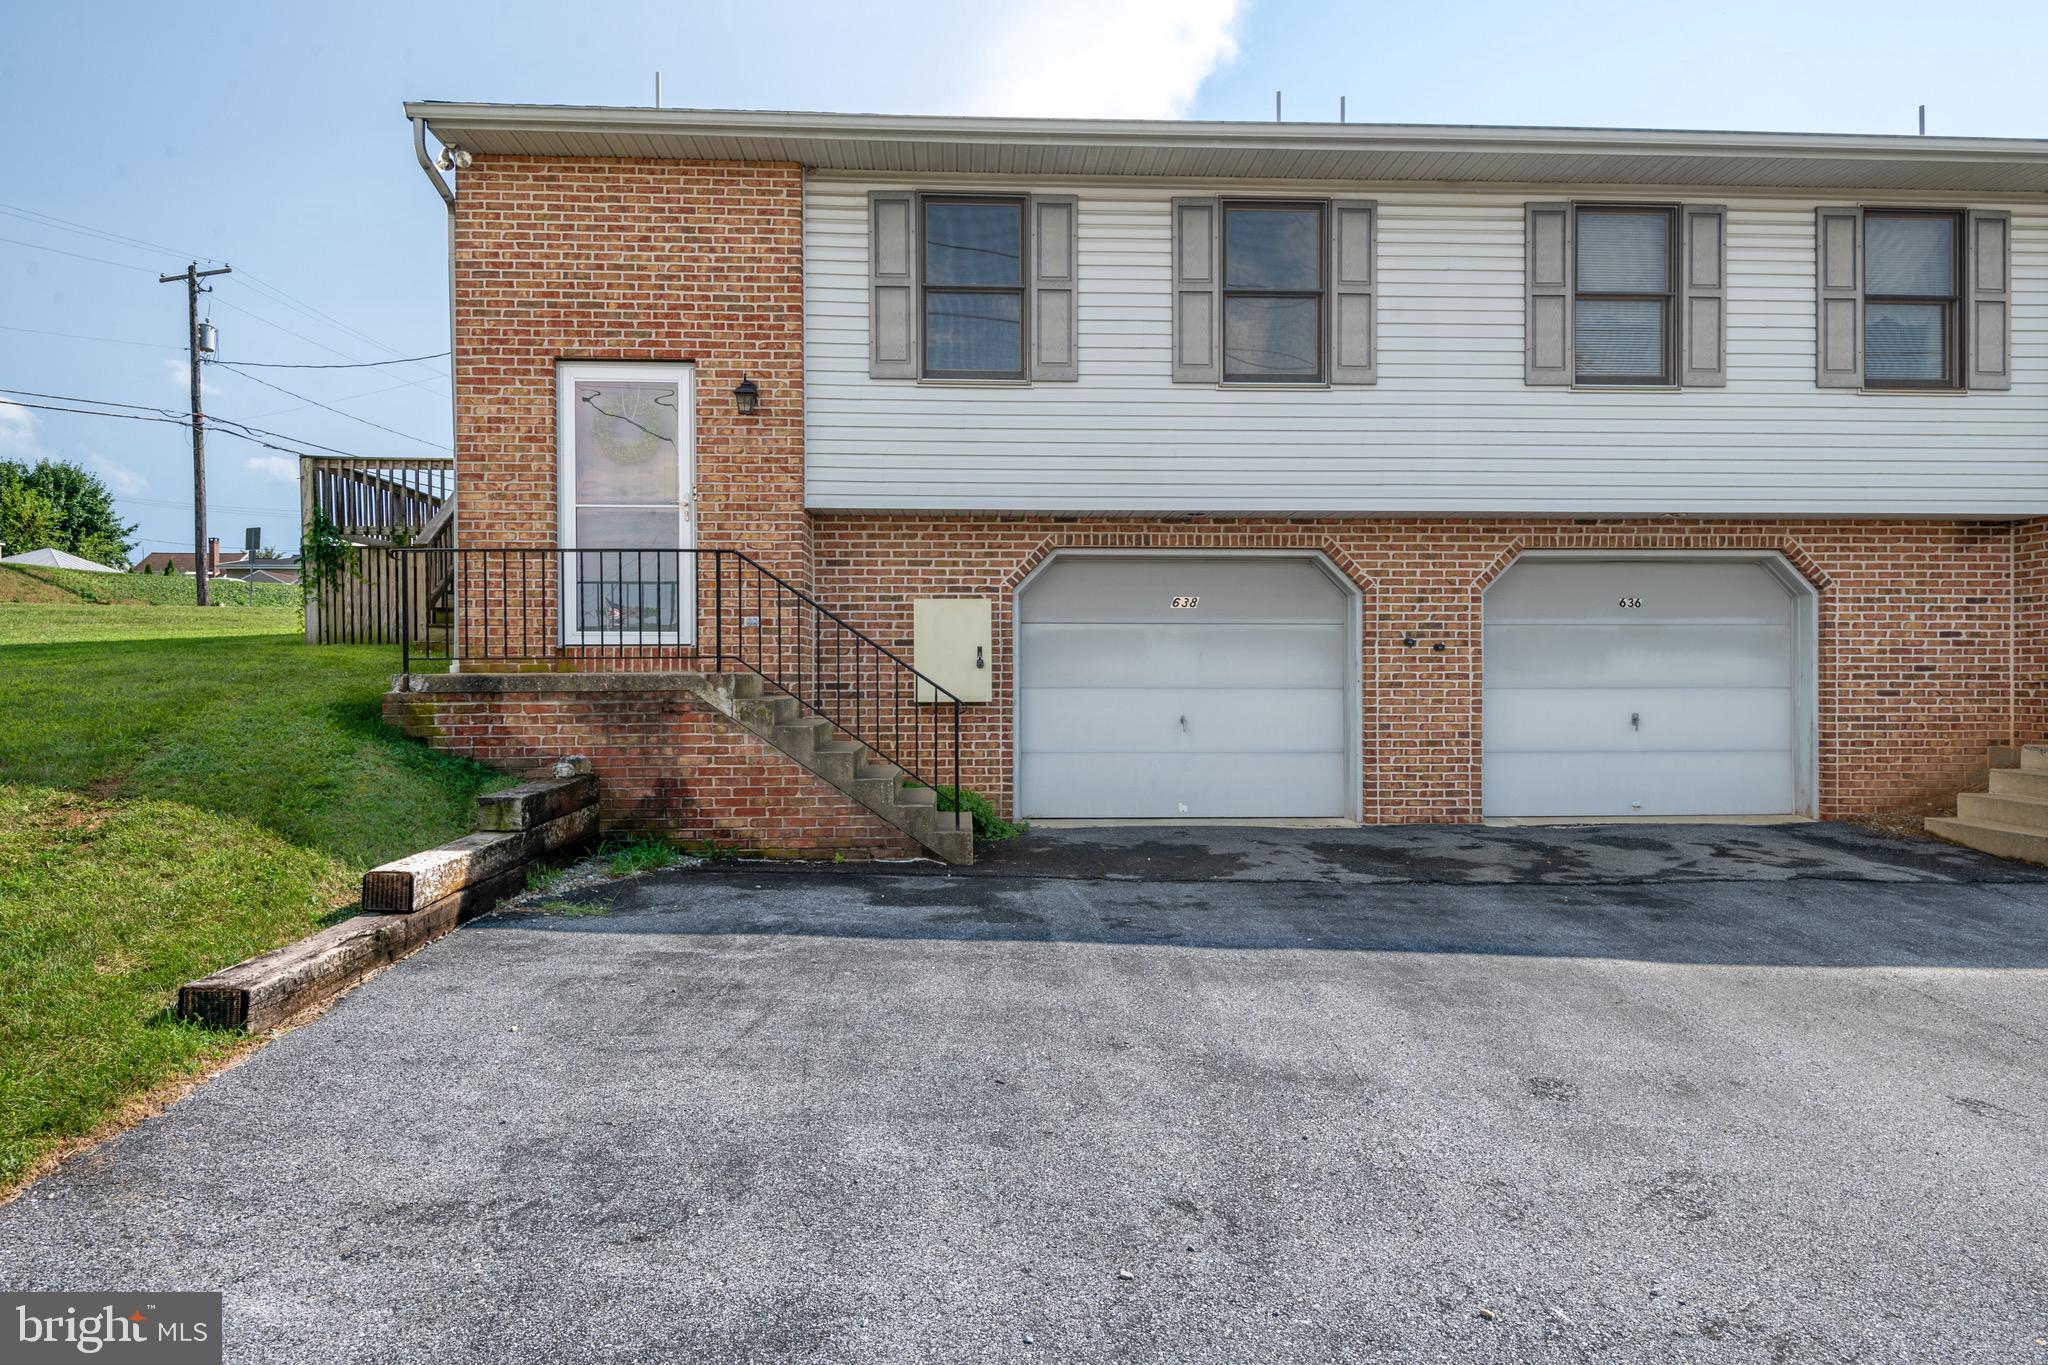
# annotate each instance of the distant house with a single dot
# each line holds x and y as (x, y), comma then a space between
(181, 561)
(56, 559)
(230, 564)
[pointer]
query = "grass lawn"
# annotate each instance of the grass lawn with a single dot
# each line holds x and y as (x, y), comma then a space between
(179, 789)
(19, 583)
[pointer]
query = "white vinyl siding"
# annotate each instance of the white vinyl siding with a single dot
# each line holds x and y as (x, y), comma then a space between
(1451, 427)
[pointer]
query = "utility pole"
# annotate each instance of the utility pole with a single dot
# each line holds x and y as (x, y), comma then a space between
(192, 275)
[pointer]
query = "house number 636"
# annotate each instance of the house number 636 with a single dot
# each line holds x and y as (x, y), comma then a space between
(1630, 604)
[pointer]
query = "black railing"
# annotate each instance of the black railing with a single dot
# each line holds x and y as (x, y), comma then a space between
(641, 610)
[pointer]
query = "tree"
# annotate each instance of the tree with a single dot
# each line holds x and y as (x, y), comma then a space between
(28, 520)
(58, 504)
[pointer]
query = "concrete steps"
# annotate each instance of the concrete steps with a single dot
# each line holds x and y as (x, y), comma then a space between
(849, 765)
(2011, 819)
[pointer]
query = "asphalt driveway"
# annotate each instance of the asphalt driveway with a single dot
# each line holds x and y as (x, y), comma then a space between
(1765, 1094)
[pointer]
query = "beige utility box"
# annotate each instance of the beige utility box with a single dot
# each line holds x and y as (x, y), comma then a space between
(950, 644)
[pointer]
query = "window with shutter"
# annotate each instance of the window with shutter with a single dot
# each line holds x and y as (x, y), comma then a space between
(968, 287)
(1625, 294)
(1274, 291)
(1912, 298)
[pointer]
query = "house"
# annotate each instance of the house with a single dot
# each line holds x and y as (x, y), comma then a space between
(180, 561)
(52, 558)
(1235, 470)
(237, 565)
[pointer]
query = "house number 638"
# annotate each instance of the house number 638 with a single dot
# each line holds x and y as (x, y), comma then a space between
(1185, 602)
(1630, 604)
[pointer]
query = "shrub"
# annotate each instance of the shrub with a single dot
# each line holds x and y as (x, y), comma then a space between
(989, 827)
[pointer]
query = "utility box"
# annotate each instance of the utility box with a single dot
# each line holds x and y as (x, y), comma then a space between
(950, 644)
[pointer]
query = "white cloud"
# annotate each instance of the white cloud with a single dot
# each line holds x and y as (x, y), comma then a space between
(180, 375)
(1113, 58)
(124, 481)
(273, 466)
(18, 437)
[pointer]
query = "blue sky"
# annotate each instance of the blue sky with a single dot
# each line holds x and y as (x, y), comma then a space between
(270, 136)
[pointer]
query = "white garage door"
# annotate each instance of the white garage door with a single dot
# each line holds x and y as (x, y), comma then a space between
(1161, 687)
(1640, 687)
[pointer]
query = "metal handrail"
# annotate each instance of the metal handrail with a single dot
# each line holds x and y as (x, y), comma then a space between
(539, 628)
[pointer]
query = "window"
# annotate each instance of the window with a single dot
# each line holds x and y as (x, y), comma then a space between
(974, 288)
(1911, 269)
(1273, 292)
(1622, 304)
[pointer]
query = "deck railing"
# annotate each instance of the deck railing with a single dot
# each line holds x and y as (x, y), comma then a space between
(372, 504)
(485, 607)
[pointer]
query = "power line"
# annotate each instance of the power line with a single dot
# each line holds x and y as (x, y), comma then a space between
(42, 219)
(76, 255)
(79, 336)
(256, 379)
(267, 322)
(102, 402)
(299, 305)
(226, 426)
(352, 365)
(367, 393)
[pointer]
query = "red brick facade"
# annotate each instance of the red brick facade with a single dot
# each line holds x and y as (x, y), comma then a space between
(643, 260)
(1933, 635)
(1916, 628)
(665, 764)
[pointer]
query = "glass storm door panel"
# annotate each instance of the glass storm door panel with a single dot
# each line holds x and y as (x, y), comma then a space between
(625, 504)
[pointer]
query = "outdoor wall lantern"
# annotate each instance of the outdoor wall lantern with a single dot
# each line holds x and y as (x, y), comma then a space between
(746, 396)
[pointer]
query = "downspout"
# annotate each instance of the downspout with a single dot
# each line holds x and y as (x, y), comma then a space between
(419, 149)
(441, 187)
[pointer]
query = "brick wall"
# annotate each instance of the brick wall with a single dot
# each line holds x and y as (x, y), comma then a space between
(2030, 642)
(1916, 625)
(666, 764)
(560, 258)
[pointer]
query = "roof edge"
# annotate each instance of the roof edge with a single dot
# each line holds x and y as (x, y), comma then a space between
(1234, 135)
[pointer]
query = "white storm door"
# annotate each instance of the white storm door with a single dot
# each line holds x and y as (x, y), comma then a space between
(625, 450)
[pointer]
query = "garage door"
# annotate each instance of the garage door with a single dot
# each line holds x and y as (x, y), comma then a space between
(1162, 687)
(1640, 687)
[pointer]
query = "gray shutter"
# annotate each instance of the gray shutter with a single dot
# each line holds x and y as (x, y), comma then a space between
(1838, 275)
(1547, 294)
(1055, 244)
(1987, 338)
(1354, 347)
(1196, 294)
(892, 284)
(1703, 297)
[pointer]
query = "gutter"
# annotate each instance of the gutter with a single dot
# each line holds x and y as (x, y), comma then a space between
(1211, 134)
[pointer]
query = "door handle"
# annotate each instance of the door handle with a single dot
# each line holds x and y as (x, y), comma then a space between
(1183, 722)
(1635, 720)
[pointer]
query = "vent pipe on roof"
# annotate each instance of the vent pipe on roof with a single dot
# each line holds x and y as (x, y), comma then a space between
(1276, 106)
(1923, 120)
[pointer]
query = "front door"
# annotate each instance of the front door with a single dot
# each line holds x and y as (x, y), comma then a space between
(625, 452)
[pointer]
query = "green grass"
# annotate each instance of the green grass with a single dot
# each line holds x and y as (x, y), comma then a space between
(178, 791)
(19, 583)
(643, 854)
